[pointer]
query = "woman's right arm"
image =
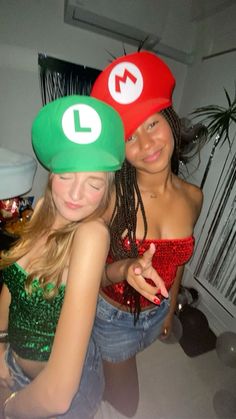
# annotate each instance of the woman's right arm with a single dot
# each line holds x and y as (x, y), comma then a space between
(135, 271)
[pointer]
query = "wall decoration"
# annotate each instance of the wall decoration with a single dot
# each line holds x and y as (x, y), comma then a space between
(60, 78)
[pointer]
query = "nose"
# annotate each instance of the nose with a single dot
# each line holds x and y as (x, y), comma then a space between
(145, 140)
(76, 191)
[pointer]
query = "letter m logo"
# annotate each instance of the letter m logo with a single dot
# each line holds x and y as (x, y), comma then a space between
(120, 79)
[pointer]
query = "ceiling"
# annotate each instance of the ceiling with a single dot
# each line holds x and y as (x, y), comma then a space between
(206, 8)
(168, 27)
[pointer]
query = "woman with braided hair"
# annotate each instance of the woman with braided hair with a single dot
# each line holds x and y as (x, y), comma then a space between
(152, 217)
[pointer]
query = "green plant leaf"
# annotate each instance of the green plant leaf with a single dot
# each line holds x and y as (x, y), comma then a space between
(228, 98)
(218, 119)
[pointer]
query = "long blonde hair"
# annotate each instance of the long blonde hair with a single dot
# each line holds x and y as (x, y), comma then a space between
(49, 266)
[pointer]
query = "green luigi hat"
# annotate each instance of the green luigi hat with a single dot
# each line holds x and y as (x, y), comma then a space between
(78, 134)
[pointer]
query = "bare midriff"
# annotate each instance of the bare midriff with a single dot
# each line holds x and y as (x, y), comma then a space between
(122, 306)
(29, 367)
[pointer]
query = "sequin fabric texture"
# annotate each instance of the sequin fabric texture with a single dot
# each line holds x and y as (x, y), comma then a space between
(32, 318)
(169, 255)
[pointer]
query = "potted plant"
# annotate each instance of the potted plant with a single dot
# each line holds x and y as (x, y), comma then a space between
(217, 119)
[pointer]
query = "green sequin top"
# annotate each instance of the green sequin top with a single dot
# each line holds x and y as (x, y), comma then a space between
(32, 318)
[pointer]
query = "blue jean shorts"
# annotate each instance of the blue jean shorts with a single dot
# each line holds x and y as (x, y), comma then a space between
(89, 395)
(116, 335)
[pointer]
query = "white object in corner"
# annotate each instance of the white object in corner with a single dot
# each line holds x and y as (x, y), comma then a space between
(17, 172)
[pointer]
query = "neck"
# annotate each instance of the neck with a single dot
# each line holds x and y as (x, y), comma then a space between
(59, 222)
(154, 184)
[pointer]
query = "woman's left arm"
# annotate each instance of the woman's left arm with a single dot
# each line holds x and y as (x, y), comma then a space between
(174, 291)
(52, 391)
(195, 203)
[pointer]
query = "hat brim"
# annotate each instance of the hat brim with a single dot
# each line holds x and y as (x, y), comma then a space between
(84, 161)
(135, 115)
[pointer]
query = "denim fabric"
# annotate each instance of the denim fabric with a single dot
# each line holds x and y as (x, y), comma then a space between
(117, 336)
(20, 379)
(89, 395)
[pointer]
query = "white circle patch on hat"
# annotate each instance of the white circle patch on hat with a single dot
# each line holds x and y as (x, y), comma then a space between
(81, 124)
(125, 83)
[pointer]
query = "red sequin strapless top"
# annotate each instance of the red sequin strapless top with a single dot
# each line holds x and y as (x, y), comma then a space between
(169, 255)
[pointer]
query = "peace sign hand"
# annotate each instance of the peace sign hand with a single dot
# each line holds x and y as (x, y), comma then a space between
(142, 268)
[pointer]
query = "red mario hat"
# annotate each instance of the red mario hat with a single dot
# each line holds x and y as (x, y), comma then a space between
(136, 85)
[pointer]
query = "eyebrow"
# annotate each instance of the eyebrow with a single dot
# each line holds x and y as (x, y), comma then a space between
(97, 178)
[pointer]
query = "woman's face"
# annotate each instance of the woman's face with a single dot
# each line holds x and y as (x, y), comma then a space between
(78, 195)
(151, 146)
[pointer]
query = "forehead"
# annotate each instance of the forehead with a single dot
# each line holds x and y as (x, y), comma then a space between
(83, 175)
(94, 175)
(154, 116)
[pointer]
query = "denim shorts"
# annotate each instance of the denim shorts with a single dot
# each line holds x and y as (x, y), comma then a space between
(89, 395)
(116, 335)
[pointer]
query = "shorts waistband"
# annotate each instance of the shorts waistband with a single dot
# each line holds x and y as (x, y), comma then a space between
(143, 314)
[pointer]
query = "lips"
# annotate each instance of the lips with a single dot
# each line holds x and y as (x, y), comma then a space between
(152, 157)
(73, 206)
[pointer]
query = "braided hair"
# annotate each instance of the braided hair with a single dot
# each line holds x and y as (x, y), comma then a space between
(128, 201)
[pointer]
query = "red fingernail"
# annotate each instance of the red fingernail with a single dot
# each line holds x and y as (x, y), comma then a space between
(156, 301)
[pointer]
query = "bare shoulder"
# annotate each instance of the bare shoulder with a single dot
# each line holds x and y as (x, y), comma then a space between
(91, 242)
(194, 191)
(93, 229)
(193, 194)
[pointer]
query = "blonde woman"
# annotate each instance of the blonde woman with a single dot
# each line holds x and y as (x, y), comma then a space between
(52, 276)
